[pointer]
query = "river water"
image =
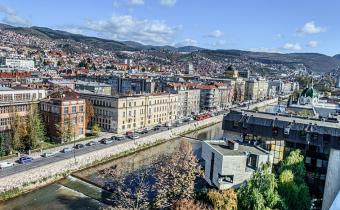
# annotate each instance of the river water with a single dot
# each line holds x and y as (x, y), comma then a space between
(82, 190)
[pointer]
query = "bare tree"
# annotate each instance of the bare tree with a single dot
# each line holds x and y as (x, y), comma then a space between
(131, 191)
(176, 175)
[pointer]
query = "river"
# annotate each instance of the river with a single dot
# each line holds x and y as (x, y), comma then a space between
(82, 189)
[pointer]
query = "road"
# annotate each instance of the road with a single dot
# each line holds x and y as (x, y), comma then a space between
(58, 156)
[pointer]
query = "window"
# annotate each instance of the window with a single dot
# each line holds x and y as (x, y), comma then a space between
(212, 162)
(74, 109)
(251, 161)
(225, 178)
(66, 110)
(275, 131)
(81, 109)
(81, 131)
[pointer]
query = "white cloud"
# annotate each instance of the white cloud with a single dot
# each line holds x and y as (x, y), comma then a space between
(168, 3)
(218, 43)
(10, 17)
(136, 2)
(292, 46)
(311, 28)
(186, 42)
(313, 44)
(215, 34)
(126, 27)
(264, 49)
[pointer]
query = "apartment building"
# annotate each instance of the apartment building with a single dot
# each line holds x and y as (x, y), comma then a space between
(17, 62)
(215, 96)
(95, 87)
(64, 110)
(188, 97)
(256, 89)
(17, 100)
(123, 113)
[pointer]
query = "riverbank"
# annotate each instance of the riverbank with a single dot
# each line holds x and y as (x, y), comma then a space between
(26, 181)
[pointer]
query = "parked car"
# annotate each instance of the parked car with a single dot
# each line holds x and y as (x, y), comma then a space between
(133, 136)
(25, 159)
(113, 138)
(168, 125)
(129, 133)
(67, 149)
(91, 143)
(6, 165)
(79, 146)
(106, 141)
(157, 127)
(120, 138)
(47, 154)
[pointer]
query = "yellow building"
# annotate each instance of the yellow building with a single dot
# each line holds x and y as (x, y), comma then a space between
(120, 114)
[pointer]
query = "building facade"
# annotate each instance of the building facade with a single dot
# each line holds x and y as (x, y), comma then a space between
(256, 89)
(228, 164)
(281, 134)
(16, 100)
(120, 114)
(17, 62)
(95, 87)
(63, 113)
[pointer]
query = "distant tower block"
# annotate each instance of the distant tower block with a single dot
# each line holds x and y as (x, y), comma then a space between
(189, 68)
(337, 84)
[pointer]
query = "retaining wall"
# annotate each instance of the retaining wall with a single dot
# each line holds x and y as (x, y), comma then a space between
(33, 177)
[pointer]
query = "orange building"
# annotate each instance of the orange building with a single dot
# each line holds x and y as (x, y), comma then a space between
(64, 115)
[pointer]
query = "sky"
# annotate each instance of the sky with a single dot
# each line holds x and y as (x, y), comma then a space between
(258, 25)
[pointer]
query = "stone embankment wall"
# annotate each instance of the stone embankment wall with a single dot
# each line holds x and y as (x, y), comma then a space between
(41, 175)
(264, 103)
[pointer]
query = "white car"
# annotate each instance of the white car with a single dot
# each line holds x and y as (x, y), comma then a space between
(47, 154)
(6, 165)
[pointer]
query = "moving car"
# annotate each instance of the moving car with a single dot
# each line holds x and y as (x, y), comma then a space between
(67, 149)
(25, 159)
(79, 146)
(47, 154)
(6, 165)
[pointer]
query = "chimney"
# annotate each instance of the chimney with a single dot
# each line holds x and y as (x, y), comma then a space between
(233, 145)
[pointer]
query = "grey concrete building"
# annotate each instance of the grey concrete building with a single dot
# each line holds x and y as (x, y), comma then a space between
(318, 140)
(94, 87)
(231, 163)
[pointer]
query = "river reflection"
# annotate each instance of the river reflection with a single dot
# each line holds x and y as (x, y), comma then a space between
(85, 193)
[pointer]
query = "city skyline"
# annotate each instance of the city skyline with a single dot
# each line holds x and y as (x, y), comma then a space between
(257, 26)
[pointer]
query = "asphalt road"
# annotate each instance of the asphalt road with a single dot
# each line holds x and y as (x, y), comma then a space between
(58, 156)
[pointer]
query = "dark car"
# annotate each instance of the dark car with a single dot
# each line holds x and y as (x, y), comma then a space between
(25, 159)
(157, 127)
(106, 141)
(79, 146)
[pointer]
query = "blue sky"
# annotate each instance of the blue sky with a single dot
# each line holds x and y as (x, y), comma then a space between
(258, 25)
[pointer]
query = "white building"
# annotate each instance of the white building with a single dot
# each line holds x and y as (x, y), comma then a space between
(231, 163)
(17, 62)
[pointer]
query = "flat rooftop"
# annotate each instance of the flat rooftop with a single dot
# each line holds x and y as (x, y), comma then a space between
(222, 148)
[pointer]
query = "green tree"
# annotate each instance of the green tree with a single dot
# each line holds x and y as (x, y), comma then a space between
(176, 175)
(223, 199)
(35, 128)
(18, 133)
(292, 187)
(260, 192)
(95, 130)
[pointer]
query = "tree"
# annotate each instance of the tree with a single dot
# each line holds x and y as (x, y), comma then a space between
(65, 130)
(176, 175)
(189, 204)
(292, 187)
(260, 192)
(89, 112)
(131, 191)
(35, 128)
(223, 199)
(18, 131)
(95, 130)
